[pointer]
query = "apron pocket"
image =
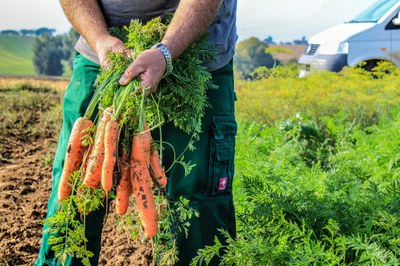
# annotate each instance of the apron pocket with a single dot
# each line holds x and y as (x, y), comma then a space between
(222, 154)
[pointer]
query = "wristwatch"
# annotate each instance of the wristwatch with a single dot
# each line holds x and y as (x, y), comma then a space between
(168, 60)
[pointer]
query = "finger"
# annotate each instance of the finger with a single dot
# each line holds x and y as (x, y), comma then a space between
(147, 82)
(130, 73)
(104, 62)
(128, 52)
(153, 89)
(123, 50)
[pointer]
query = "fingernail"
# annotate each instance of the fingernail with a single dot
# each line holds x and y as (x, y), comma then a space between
(122, 80)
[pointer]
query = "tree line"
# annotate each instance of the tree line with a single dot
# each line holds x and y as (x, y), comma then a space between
(29, 32)
(50, 51)
(253, 54)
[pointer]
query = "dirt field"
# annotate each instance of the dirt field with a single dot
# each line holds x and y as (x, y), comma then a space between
(29, 125)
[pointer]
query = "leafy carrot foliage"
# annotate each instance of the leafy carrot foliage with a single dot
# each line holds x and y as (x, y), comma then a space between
(319, 187)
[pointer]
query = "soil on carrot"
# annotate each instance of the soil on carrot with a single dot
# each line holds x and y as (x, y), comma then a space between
(29, 127)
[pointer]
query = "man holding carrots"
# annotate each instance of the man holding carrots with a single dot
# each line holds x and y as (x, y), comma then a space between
(209, 184)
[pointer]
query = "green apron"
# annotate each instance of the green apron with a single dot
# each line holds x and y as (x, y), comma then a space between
(208, 186)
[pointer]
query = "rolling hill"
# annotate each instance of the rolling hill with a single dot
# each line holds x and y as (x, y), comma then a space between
(16, 55)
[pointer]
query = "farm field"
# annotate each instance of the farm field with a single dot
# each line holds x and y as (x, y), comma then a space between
(30, 120)
(16, 55)
(317, 171)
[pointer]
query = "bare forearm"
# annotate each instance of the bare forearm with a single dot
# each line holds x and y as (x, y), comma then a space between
(87, 18)
(190, 21)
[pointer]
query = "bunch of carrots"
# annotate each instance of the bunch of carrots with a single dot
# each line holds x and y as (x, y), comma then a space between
(111, 149)
(138, 169)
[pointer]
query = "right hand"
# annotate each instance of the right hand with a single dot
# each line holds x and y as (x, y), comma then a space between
(107, 44)
(149, 66)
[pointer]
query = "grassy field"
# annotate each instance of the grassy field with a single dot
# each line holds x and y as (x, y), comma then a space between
(16, 55)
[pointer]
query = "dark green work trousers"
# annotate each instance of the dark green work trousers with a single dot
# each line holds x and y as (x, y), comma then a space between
(208, 186)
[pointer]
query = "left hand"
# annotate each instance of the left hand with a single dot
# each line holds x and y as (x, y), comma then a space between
(149, 66)
(108, 44)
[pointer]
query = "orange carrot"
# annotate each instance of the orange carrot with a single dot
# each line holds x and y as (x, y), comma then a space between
(156, 169)
(74, 156)
(110, 154)
(141, 183)
(85, 160)
(124, 188)
(95, 162)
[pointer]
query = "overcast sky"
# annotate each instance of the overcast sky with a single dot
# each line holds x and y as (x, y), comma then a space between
(285, 20)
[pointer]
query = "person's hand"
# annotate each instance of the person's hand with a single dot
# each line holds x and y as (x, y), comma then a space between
(108, 44)
(149, 66)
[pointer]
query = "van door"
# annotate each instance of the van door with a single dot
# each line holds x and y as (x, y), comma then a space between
(395, 40)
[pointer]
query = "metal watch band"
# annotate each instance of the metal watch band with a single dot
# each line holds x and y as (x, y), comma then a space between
(164, 50)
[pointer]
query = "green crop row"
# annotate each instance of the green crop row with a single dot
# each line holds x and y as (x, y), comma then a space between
(317, 171)
(353, 94)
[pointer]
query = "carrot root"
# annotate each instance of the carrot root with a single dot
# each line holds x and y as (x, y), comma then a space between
(124, 188)
(156, 170)
(95, 162)
(110, 154)
(141, 183)
(74, 155)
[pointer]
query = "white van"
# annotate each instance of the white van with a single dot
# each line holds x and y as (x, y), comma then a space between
(372, 36)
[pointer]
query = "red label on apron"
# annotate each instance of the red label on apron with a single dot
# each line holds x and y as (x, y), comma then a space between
(223, 183)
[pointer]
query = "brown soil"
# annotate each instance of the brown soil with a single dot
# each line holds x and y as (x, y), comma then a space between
(25, 184)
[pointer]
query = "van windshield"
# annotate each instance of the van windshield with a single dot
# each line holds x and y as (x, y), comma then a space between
(374, 12)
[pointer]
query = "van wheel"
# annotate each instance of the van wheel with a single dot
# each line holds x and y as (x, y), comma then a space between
(369, 65)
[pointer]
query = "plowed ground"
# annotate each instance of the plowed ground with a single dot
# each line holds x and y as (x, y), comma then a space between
(30, 121)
